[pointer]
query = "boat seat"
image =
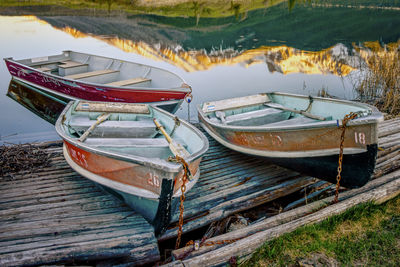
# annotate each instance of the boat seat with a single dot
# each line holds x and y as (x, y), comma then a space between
(129, 82)
(71, 64)
(97, 76)
(70, 67)
(257, 117)
(155, 148)
(112, 128)
(128, 142)
(44, 69)
(294, 121)
(90, 74)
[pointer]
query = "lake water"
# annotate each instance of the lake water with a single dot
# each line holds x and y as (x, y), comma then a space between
(305, 50)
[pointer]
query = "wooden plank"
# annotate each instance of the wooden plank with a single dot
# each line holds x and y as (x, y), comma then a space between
(52, 179)
(247, 245)
(71, 64)
(384, 161)
(112, 107)
(56, 216)
(44, 69)
(95, 250)
(231, 182)
(53, 197)
(287, 216)
(93, 225)
(89, 74)
(231, 206)
(129, 82)
(235, 102)
(62, 213)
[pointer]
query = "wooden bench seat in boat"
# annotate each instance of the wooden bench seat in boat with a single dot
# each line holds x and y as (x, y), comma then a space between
(44, 69)
(129, 82)
(294, 121)
(127, 142)
(71, 64)
(70, 67)
(97, 76)
(111, 128)
(89, 74)
(157, 148)
(257, 117)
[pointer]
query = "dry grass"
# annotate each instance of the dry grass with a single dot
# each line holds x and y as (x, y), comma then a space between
(380, 78)
(18, 158)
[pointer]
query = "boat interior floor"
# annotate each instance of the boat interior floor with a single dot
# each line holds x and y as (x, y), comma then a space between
(143, 128)
(127, 142)
(264, 116)
(156, 148)
(80, 71)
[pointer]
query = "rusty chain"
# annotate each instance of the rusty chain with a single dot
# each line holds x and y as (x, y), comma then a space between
(196, 245)
(345, 120)
(185, 178)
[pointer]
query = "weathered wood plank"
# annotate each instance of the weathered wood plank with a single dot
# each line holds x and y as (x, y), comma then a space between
(386, 159)
(54, 215)
(247, 245)
(93, 225)
(62, 213)
(224, 209)
(80, 193)
(47, 188)
(95, 250)
(287, 216)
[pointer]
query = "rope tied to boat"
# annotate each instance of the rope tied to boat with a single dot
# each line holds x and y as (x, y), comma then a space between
(185, 178)
(346, 119)
(188, 98)
(177, 123)
(311, 100)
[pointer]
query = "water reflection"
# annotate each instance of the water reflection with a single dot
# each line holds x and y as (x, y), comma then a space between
(43, 104)
(322, 46)
(317, 40)
(283, 59)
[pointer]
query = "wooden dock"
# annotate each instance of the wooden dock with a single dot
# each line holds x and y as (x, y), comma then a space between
(384, 185)
(231, 182)
(56, 216)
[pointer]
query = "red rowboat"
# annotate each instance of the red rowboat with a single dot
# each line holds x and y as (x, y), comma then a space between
(75, 75)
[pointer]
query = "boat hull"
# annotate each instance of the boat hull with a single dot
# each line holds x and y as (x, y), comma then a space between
(358, 160)
(74, 89)
(356, 168)
(311, 149)
(140, 187)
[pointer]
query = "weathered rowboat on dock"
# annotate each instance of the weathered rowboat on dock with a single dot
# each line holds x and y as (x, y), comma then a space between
(118, 146)
(75, 75)
(299, 132)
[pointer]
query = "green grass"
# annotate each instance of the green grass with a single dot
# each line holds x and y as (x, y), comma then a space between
(190, 8)
(367, 235)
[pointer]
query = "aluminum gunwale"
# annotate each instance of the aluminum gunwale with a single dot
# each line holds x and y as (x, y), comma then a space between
(126, 188)
(163, 165)
(374, 117)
